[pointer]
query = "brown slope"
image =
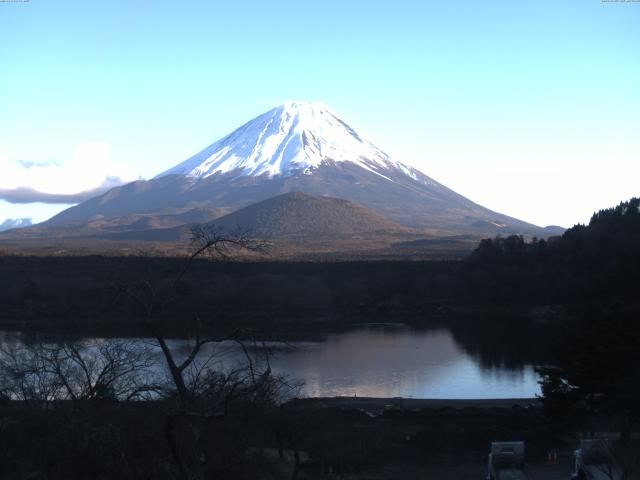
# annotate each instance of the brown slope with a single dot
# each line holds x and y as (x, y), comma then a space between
(120, 227)
(297, 213)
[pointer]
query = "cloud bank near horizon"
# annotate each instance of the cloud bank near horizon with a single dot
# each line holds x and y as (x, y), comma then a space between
(31, 195)
(40, 188)
(89, 172)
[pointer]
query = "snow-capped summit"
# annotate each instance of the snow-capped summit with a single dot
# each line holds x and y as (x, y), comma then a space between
(296, 136)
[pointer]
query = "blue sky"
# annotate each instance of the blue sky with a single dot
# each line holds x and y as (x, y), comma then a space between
(529, 108)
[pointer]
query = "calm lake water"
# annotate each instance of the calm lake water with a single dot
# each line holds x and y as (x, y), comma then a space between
(393, 361)
(385, 361)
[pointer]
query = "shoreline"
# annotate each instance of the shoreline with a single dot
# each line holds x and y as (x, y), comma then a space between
(381, 404)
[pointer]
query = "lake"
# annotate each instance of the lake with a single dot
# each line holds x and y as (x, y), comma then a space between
(392, 361)
(383, 361)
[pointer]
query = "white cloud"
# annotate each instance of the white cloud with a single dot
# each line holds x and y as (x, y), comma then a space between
(87, 169)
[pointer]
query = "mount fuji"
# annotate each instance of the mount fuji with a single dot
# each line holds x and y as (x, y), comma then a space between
(296, 147)
(292, 138)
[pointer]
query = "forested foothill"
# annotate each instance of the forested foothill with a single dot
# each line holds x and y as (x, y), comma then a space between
(586, 267)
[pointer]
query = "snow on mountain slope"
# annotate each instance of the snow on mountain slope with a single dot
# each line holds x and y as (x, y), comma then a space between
(296, 136)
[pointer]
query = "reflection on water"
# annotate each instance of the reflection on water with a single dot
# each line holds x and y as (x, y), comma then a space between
(384, 362)
(378, 361)
(390, 361)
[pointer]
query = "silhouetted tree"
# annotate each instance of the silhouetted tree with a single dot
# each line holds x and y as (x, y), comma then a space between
(204, 394)
(77, 371)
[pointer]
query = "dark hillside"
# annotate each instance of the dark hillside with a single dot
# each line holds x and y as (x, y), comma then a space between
(587, 263)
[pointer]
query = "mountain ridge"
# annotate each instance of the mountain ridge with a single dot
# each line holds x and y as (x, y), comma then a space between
(305, 147)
